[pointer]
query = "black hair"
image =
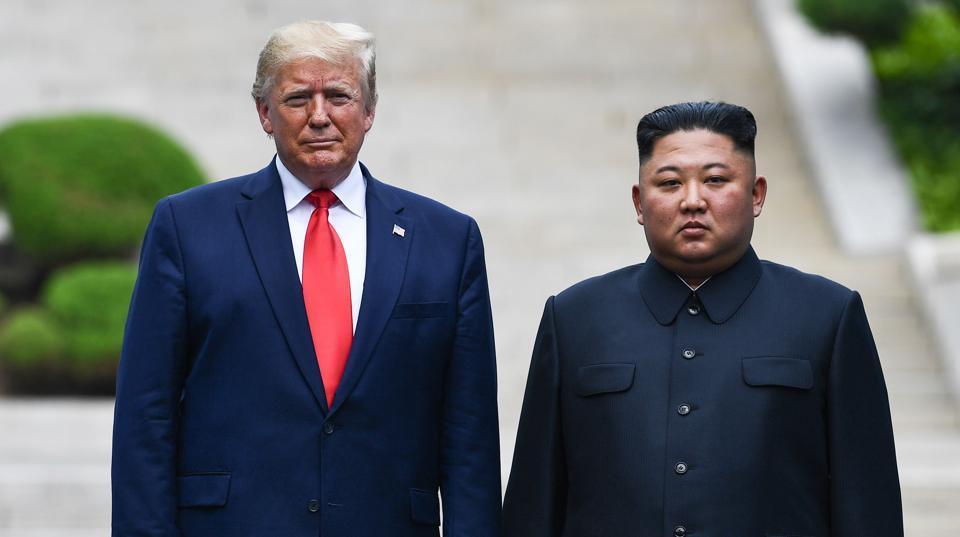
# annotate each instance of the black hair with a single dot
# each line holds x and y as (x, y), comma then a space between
(722, 118)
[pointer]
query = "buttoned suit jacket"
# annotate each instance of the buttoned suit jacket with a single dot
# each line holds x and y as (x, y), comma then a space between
(222, 427)
(754, 407)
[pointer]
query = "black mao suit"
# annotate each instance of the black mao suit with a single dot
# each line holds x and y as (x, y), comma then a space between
(753, 407)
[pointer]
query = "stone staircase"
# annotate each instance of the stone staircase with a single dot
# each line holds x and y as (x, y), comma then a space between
(520, 113)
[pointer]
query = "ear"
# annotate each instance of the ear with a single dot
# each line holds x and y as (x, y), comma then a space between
(368, 118)
(637, 205)
(263, 110)
(759, 194)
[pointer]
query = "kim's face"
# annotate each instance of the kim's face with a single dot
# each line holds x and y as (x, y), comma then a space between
(696, 200)
(317, 116)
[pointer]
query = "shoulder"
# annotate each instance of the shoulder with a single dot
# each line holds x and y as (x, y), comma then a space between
(791, 279)
(600, 288)
(418, 204)
(805, 293)
(216, 192)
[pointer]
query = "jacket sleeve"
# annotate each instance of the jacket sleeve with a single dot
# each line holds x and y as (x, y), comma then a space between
(149, 382)
(536, 496)
(864, 486)
(470, 444)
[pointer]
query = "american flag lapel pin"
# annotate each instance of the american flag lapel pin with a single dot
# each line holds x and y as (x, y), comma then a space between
(399, 231)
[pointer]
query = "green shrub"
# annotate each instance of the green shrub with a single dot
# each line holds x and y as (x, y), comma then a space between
(871, 21)
(920, 100)
(89, 303)
(925, 65)
(84, 185)
(30, 336)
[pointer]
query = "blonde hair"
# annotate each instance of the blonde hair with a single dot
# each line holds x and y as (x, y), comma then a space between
(332, 42)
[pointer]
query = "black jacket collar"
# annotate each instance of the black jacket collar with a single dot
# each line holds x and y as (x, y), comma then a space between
(720, 297)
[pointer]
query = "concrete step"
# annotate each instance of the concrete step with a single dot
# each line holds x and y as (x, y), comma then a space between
(55, 467)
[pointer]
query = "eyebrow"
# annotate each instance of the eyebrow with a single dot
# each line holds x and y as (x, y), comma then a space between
(672, 168)
(332, 86)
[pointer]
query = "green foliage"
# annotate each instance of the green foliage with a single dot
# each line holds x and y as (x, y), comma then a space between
(873, 22)
(74, 340)
(89, 303)
(84, 185)
(920, 99)
(30, 336)
(929, 50)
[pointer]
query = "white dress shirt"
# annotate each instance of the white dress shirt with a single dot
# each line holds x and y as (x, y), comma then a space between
(690, 287)
(348, 218)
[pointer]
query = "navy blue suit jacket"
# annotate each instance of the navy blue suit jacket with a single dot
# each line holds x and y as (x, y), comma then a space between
(754, 407)
(222, 427)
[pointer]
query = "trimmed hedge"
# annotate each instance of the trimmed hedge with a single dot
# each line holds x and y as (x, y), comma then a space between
(84, 186)
(30, 337)
(72, 343)
(89, 302)
(873, 22)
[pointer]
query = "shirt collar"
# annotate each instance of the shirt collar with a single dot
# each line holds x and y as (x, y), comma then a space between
(692, 288)
(352, 191)
(664, 293)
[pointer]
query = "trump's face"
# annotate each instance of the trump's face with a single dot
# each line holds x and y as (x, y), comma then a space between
(316, 114)
(696, 199)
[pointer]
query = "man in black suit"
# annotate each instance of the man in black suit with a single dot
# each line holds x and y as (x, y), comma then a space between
(703, 393)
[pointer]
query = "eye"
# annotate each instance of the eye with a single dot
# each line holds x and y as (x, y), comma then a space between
(668, 183)
(340, 98)
(295, 100)
(716, 179)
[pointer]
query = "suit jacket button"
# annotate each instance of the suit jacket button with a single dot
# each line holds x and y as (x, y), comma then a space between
(680, 468)
(313, 506)
(328, 428)
(683, 409)
(689, 353)
(679, 531)
(694, 309)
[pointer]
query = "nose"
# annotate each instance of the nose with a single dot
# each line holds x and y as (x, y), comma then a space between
(318, 112)
(692, 200)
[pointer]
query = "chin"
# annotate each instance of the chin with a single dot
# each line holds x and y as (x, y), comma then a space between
(696, 253)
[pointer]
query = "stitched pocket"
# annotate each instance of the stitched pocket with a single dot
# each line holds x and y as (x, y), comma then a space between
(604, 378)
(778, 371)
(424, 507)
(203, 490)
(422, 310)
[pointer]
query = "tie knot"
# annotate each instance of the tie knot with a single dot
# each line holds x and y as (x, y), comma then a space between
(322, 199)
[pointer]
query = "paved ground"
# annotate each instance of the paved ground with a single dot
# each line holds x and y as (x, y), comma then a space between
(520, 113)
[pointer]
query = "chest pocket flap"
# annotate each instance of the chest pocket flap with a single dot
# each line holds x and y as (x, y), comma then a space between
(604, 378)
(778, 371)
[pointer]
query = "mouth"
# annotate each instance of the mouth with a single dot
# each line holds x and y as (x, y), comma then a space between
(320, 143)
(693, 229)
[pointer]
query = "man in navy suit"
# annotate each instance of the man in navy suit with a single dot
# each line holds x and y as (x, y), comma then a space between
(309, 351)
(703, 393)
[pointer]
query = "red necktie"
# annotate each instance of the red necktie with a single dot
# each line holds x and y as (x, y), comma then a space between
(326, 293)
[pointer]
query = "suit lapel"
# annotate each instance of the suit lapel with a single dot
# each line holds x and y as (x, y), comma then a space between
(263, 217)
(386, 263)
